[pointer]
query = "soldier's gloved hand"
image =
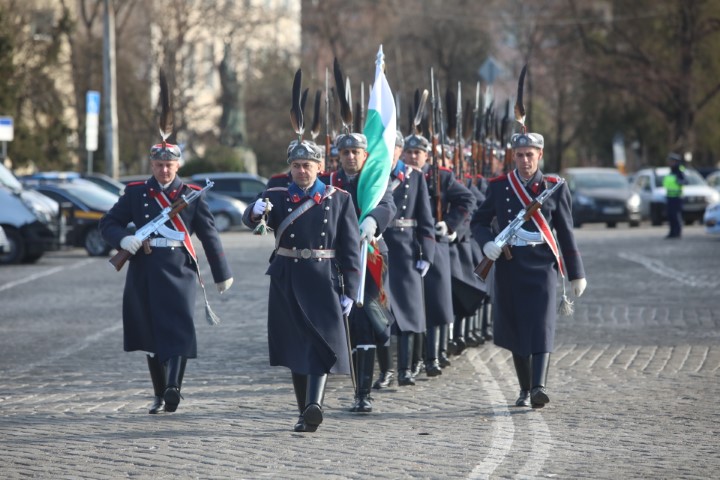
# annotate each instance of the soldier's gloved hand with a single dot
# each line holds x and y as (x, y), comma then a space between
(578, 286)
(260, 206)
(452, 236)
(224, 285)
(346, 303)
(441, 229)
(131, 243)
(368, 227)
(422, 266)
(491, 251)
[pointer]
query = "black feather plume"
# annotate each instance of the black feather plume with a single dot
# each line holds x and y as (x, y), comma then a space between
(356, 121)
(467, 119)
(303, 101)
(315, 127)
(296, 114)
(345, 109)
(420, 102)
(519, 106)
(166, 121)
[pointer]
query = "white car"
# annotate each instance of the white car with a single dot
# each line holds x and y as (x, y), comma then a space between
(3, 240)
(711, 219)
(697, 195)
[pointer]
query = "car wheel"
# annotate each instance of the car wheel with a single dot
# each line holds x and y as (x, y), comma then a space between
(611, 224)
(32, 257)
(222, 222)
(656, 217)
(15, 250)
(634, 223)
(689, 221)
(94, 243)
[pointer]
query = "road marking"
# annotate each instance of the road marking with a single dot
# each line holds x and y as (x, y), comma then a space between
(35, 276)
(660, 268)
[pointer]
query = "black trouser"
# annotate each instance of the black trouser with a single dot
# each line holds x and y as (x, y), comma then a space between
(674, 214)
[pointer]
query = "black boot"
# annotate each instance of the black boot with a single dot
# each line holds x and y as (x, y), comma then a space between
(174, 372)
(522, 368)
(405, 348)
(158, 380)
(418, 353)
(432, 350)
(458, 337)
(486, 326)
(470, 326)
(300, 388)
(443, 346)
(538, 394)
(313, 413)
(364, 368)
(386, 373)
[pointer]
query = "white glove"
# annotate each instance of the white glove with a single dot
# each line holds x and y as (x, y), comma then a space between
(260, 206)
(224, 285)
(131, 243)
(346, 303)
(492, 251)
(578, 286)
(422, 266)
(452, 237)
(368, 227)
(441, 229)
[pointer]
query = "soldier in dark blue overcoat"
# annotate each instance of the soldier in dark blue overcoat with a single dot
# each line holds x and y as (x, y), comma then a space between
(316, 246)
(456, 202)
(162, 278)
(411, 249)
(524, 301)
(369, 325)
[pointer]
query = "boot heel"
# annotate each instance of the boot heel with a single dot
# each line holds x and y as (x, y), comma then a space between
(172, 399)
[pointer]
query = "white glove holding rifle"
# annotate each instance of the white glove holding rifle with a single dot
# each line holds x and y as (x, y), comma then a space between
(131, 244)
(491, 251)
(261, 207)
(346, 303)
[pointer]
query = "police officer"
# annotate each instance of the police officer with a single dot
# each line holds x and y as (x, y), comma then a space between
(673, 183)
(316, 245)
(410, 239)
(369, 325)
(161, 282)
(454, 202)
(524, 300)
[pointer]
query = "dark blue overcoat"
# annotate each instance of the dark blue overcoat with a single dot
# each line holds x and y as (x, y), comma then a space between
(160, 288)
(525, 291)
(407, 245)
(306, 332)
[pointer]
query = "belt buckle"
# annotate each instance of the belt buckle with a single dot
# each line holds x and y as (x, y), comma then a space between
(306, 253)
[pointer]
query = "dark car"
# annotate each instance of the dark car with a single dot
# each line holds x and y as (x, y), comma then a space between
(602, 195)
(243, 186)
(88, 203)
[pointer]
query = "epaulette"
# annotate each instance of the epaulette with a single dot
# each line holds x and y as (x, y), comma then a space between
(499, 177)
(134, 184)
(446, 169)
(551, 178)
(194, 187)
(280, 175)
(338, 189)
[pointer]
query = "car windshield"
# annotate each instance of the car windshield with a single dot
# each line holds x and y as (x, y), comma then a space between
(92, 196)
(8, 179)
(691, 178)
(600, 180)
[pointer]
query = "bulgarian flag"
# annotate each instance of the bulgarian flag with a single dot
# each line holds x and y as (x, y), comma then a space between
(380, 133)
(375, 174)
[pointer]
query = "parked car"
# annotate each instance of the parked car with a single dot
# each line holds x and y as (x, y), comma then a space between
(243, 186)
(4, 243)
(711, 218)
(697, 195)
(88, 203)
(713, 180)
(601, 195)
(105, 181)
(227, 210)
(31, 221)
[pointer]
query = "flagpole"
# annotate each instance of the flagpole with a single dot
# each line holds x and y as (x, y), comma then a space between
(363, 272)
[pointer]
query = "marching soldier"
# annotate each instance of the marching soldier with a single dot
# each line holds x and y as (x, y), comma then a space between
(369, 325)
(455, 204)
(524, 300)
(161, 282)
(411, 248)
(316, 253)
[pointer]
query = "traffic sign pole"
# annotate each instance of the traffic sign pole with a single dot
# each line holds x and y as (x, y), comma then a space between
(92, 123)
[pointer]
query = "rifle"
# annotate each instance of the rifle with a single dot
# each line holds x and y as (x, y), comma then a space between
(157, 224)
(508, 232)
(328, 135)
(435, 168)
(476, 134)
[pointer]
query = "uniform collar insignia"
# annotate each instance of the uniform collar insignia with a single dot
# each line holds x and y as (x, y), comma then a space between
(399, 171)
(315, 192)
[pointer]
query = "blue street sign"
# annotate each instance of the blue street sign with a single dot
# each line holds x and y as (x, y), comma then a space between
(92, 99)
(6, 129)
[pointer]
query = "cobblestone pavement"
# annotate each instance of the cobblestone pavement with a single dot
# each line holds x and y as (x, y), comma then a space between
(633, 383)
